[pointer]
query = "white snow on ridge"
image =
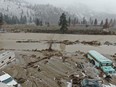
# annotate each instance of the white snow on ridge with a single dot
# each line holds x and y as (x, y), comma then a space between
(21, 8)
(15, 8)
(47, 12)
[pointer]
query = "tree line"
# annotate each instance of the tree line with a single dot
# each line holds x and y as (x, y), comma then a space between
(65, 23)
(13, 19)
(95, 22)
(70, 21)
(6, 19)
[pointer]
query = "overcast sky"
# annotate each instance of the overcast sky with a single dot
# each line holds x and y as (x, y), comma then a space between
(102, 5)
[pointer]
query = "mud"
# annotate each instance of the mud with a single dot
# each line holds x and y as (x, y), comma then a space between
(53, 68)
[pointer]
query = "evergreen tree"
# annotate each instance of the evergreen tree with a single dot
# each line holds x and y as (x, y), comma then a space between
(77, 21)
(37, 21)
(74, 21)
(23, 19)
(1, 20)
(11, 20)
(84, 21)
(48, 24)
(14, 20)
(91, 21)
(63, 23)
(30, 20)
(95, 22)
(106, 25)
(41, 23)
(101, 24)
(7, 19)
(69, 21)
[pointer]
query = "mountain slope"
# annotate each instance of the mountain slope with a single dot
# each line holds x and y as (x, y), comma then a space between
(23, 10)
(48, 13)
(81, 10)
(15, 7)
(19, 8)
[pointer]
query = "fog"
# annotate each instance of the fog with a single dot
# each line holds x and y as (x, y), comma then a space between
(97, 5)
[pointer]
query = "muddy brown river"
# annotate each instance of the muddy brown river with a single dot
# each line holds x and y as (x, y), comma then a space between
(8, 41)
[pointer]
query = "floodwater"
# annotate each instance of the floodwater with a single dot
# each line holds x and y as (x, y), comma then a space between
(54, 68)
(8, 41)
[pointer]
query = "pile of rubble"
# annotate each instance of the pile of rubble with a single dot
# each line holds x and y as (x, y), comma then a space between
(109, 43)
(67, 42)
(114, 58)
(28, 41)
(53, 68)
(92, 43)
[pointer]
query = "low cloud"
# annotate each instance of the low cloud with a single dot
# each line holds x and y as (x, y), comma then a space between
(99, 5)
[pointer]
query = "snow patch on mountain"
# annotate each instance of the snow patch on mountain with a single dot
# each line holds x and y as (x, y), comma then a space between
(15, 8)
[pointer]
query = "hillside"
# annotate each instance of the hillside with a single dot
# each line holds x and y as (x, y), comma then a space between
(82, 10)
(22, 10)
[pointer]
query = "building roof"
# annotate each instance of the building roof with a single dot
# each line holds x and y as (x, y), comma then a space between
(99, 57)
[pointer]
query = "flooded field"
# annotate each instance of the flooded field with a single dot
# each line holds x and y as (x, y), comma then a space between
(37, 66)
(8, 41)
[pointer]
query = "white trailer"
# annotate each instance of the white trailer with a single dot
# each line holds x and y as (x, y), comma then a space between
(6, 58)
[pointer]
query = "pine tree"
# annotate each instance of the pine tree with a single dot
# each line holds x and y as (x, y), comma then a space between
(106, 25)
(48, 24)
(7, 19)
(77, 21)
(84, 21)
(95, 22)
(41, 23)
(63, 23)
(74, 21)
(69, 21)
(37, 21)
(91, 21)
(1, 20)
(14, 20)
(23, 19)
(30, 20)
